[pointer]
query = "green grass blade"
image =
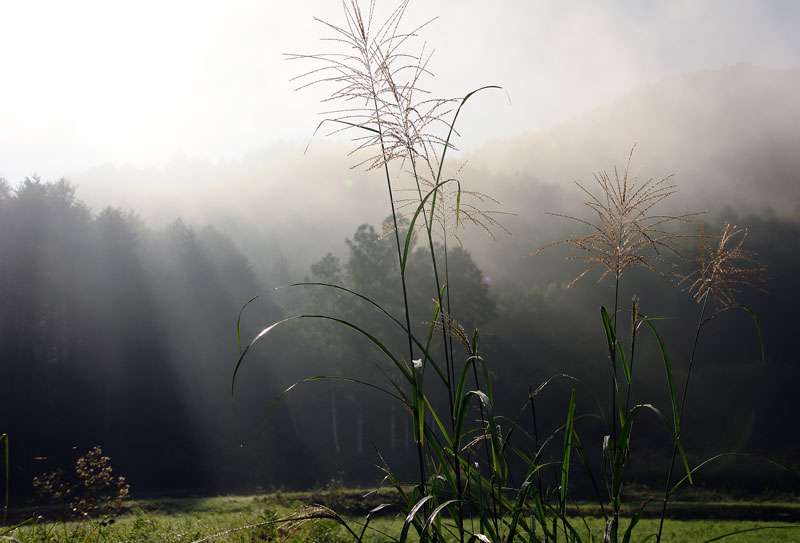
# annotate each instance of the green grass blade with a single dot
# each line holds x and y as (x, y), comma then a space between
(516, 511)
(497, 461)
(239, 321)
(756, 529)
(461, 399)
(439, 422)
(544, 384)
(375, 341)
(626, 538)
(675, 437)
(420, 209)
(458, 205)
(453, 124)
(758, 328)
(436, 311)
(668, 368)
(714, 458)
(436, 512)
(541, 516)
(566, 452)
(423, 348)
(369, 518)
(588, 466)
(610, 337)
(749, 312)
(624, 360)
(400, 396)
(411, 518)
(4, 440)
(568, 527)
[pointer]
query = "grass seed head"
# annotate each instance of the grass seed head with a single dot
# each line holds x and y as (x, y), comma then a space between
(377, 83)
(625, 231)
(723, 267)
(376, 80)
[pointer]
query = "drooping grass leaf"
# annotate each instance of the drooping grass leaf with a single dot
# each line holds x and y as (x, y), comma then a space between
(403, 328)
(395, 321)
(626, 537)
(668, 368)
(412, 517)
(420, 209)
(435, 513)
(749, 312)
(516, 511)
(758, 328)
(675, 437)
(756, 529)
(451, 128)
(369, 518)
(239, 321)
(497, 461)
(588, 466)
(400, 396)
(714, 458)
(375, 341)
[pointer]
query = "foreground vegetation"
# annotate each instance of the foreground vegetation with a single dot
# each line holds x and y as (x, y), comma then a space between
(192, 519)
(479, 475)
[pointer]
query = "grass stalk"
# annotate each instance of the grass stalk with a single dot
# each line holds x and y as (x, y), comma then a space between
(668, 482)
(420, 455)
(623, 236)
(7, 465)
(615, 501)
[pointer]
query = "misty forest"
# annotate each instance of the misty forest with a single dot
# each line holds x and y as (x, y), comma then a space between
(448, 341)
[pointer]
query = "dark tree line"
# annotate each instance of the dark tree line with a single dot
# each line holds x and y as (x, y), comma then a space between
(116, 334)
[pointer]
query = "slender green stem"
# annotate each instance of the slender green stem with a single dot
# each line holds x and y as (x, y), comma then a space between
(680, 418)
(420, 456)
(448, 347)
(4, 438)
(614, 467)
(634, 312)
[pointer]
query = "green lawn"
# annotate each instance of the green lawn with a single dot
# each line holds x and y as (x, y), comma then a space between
(186, 520)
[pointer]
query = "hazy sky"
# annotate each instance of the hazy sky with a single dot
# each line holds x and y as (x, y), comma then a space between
(89, 82)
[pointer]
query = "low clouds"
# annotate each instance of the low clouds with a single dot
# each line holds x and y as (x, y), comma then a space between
(91, 82)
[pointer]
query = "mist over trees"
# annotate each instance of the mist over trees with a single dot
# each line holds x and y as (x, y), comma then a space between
(120, 333)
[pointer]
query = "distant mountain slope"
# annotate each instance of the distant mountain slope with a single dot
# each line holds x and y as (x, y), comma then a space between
(730, 136)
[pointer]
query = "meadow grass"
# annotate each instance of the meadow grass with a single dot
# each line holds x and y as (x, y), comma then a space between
(181, 520)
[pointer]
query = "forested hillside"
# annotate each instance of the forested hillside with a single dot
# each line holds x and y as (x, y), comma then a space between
(117, 334)
(118, 318)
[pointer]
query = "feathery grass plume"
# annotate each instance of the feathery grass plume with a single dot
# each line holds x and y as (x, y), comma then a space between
(625, 231)
(380, 81)
(455, 207)
(724, 267)
(453, 329)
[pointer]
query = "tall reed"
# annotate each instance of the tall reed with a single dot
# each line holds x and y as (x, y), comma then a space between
(470, 486)
(722, 267)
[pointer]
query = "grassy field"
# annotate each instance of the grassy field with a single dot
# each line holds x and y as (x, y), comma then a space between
(192, 519)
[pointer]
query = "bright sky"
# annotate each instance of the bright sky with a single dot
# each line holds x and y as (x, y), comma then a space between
(89, 82)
